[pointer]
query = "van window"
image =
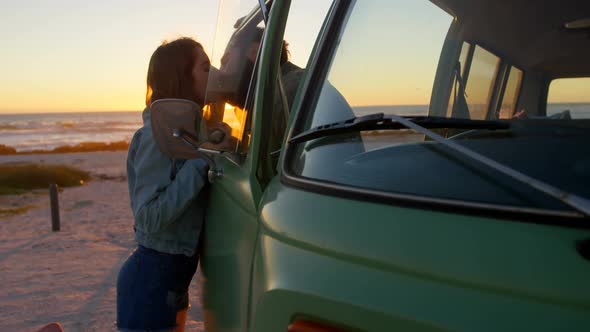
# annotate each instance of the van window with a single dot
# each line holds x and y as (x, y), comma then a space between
(463, 71)
(569, 95)
(480, 82)
(508, 105)
(235, 54)
(300, 35)
(392, 72)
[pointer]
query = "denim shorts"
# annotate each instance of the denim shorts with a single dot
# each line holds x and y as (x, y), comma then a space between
(151, 288)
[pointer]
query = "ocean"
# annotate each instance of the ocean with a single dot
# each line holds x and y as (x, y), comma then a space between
(26, 132)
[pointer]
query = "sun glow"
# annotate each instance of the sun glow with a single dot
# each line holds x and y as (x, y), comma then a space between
(231, 115)
(234, 117)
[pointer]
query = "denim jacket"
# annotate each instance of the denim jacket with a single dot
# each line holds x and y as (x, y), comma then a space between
(167, 196)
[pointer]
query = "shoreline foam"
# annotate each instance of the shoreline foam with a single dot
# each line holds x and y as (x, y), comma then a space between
(6, 150)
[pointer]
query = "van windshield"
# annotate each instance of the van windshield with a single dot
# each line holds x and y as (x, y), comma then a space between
(425, 62)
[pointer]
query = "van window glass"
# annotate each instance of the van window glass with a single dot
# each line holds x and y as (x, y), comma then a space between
(480, 82)
(462, 65)
(301, 31)
(235, 50)
(395, 71)
(511, 93)
(391, 72)
(303, 26)
(569, 95)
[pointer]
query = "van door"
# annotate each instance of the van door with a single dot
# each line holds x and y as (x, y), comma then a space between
(259, 127)
(231, 224)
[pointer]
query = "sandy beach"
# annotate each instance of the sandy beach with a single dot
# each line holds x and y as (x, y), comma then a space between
(70, 276)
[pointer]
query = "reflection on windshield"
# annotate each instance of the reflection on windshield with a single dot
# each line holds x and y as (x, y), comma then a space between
(391, 72)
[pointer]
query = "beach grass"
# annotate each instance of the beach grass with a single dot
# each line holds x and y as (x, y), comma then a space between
(87, 147)
(7, 212)
(19, 178)
(80, 147)
(11, 191)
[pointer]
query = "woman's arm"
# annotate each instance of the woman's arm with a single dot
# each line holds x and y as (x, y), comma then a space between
(167, 204)
(156, 200)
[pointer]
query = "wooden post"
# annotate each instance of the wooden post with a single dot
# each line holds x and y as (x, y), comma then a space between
(54, 202)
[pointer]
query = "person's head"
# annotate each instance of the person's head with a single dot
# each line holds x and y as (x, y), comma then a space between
(239, 58)
(178, 69)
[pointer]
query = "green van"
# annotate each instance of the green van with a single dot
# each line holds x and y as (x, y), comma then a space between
(411, 165)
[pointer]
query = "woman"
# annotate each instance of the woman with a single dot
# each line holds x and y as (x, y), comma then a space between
(168, 202)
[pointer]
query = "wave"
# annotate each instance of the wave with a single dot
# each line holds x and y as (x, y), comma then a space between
(82, 126)
(80, 147)
(8, 127)
(44, 133)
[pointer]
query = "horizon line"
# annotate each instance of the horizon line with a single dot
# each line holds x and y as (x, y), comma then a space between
(22, 112)
(66, 111)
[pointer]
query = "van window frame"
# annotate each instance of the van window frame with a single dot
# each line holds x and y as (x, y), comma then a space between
(499, 82)
(502, 93)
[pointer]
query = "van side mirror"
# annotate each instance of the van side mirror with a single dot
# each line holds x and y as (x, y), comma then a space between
(179, 131)
(168, 115)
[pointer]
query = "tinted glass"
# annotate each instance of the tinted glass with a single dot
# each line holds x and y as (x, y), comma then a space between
(237, 41)
(391, 72)
(482, 75)
(395, 72)
(511, 93)
(300, 36)
(462, 66)
(569, 95)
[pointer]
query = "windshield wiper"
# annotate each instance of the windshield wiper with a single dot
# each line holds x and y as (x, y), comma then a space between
(421, 123)
(379, 121)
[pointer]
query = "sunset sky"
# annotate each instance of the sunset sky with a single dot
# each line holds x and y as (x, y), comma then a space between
(71, 55)
(68, 55)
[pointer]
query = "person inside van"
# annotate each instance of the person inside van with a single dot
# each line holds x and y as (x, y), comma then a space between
(239, 60)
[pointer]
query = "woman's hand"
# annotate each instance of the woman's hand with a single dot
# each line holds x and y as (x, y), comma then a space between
(220, 138)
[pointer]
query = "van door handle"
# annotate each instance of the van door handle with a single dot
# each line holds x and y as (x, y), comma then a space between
(583, 248)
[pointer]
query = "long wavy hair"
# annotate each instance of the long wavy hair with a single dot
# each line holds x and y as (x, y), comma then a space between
(170, 71)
